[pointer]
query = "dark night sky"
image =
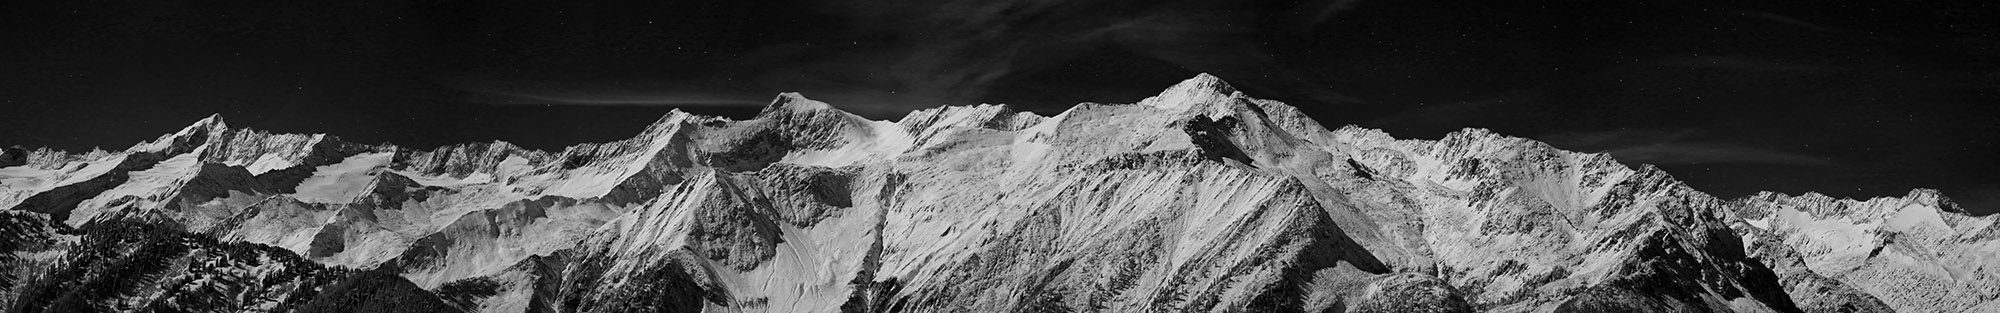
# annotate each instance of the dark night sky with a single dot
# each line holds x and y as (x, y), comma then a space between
(1869, 99)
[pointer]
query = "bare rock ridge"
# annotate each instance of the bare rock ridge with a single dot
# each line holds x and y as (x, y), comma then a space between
(1199, 199)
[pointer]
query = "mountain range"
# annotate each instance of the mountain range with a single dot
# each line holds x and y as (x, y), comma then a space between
(1201, 198)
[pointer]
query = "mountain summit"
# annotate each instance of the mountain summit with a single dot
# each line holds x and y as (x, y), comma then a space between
(1198, 199)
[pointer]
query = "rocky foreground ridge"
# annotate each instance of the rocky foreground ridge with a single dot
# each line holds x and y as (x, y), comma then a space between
(1199, 199)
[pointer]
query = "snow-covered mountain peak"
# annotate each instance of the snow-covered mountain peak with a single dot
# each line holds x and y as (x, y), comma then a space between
(212, 122)
(1200, 90)
(186, 138)
(794, 103)
(1203, 83)
(207, 126)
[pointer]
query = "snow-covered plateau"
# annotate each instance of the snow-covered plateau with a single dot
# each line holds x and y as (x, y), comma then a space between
(1198, 199)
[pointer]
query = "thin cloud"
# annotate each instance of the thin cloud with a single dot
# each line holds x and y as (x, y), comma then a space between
(1456, 115)
(946, 51)
(1331, 8)
(1713, 153)
(632, 99)
(1683, 146)
(958, 51)
(1787, 20)
(1740, 63)
(608, 94)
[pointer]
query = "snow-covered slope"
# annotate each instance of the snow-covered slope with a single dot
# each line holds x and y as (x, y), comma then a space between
(1199, 199)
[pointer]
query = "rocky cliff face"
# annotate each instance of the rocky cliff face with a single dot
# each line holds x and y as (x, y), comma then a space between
(1199, 199)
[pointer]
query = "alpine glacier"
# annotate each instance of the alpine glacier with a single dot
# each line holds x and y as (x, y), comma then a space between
(1198, 199)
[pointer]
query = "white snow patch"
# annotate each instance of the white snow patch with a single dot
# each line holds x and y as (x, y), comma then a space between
(342, 182)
